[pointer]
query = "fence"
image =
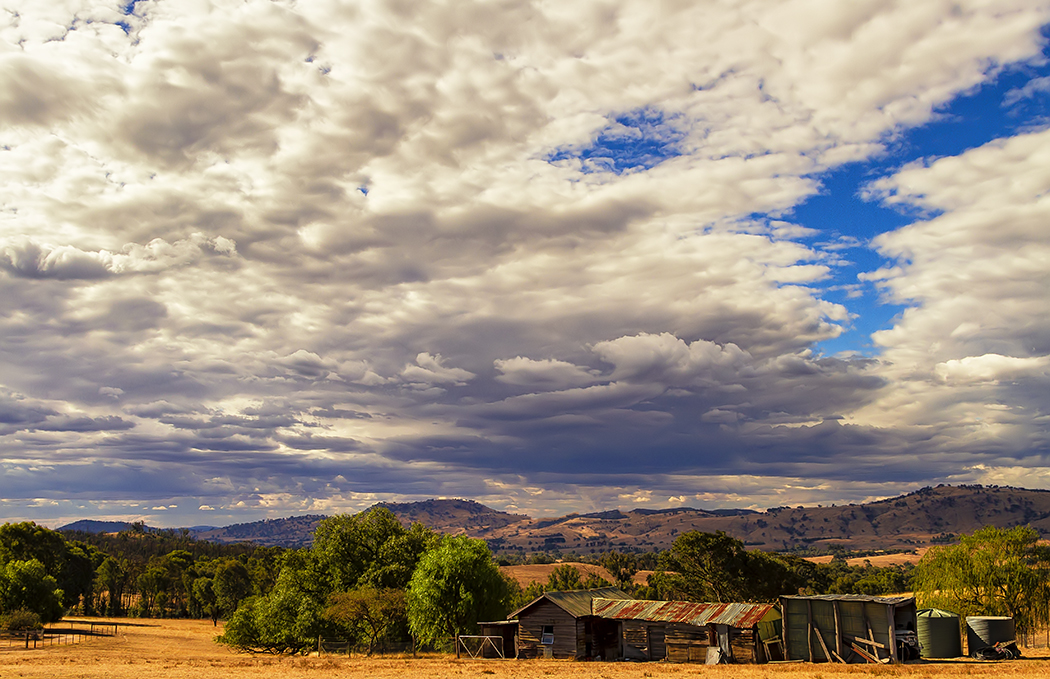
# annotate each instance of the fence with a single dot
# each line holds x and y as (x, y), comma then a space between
(337, 646)
(480, 646)
(57, 634)
(1035, 639)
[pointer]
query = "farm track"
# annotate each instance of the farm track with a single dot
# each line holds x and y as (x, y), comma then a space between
(177, 649)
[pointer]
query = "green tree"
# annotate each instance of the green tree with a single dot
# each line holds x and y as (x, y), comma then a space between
(25, 585)
(349, 546)
(716, 567)
(369, 613)
(264, 565)
(290, 617)
(995, 571)
(77, 578)
(113, 576)
(152, 585)
(564, 579)
(27, 541)
(622, 567)
(233, 583)
(287, 620)
(71, 564)
(455, 585)
(203, 590)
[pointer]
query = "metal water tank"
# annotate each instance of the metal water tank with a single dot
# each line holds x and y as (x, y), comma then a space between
(938, 633)
(983, 631)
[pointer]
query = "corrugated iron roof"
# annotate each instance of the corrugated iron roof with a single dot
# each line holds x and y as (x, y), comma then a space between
(576, 603)
(888, 600)
(734, 615)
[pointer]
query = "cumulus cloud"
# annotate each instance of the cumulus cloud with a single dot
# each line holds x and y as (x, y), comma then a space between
(430, 370)
(271, 257)
(549, 373)
(25, 257)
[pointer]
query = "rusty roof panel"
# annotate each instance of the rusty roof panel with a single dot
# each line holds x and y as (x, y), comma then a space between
(734, 615)
(887, 600)
(576, 603)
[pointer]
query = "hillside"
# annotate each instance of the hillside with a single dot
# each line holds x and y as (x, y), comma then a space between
(91, 526)
(917, 519)
(295, 531)
(453, 517)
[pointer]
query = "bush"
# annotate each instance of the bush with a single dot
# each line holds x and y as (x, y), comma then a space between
(19, 621)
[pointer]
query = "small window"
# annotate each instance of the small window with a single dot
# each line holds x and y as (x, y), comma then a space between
(547, 636)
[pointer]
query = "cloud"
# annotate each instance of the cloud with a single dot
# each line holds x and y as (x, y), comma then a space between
(990, 368)
(548, 374)
(274, 257)
(24, 257)
(429, 370)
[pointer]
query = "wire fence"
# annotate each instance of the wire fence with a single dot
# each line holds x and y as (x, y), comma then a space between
(1036, 639)
(337, 646)
(56, 634)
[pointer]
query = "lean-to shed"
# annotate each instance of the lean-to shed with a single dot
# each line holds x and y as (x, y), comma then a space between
(849, 628)
(682, 631)
(561, 625)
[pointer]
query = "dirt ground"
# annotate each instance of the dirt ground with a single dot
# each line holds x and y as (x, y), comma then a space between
(177, 649)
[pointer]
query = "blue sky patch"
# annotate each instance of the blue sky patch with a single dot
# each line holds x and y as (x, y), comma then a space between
(1016, 101)
(637, 140)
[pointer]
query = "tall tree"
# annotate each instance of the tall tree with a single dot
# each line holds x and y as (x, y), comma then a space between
(368, 612)
(113, 576)
(456, 585)
(995, 571)
(347, 546)
(232, 584)
(716, 567)
(621, 566)
(25, 585)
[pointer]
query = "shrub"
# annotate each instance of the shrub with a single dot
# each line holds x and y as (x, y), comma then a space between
(19, 621)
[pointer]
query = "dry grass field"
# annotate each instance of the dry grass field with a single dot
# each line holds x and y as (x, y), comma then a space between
(527, 574)
(177, 649)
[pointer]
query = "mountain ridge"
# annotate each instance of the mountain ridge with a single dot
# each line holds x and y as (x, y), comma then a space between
(916, 519)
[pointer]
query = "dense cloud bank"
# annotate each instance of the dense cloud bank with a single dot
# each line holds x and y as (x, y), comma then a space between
(266, 257)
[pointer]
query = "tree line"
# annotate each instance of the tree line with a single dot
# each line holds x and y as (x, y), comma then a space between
(371, 580)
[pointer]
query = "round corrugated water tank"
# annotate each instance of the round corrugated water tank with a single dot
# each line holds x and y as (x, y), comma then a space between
(983, 631)
(938, 633)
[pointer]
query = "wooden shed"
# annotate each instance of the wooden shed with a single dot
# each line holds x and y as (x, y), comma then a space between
(561, 625)
(682, 631)
(849, 628)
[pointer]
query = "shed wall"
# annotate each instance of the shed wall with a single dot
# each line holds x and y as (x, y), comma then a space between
(530, 630)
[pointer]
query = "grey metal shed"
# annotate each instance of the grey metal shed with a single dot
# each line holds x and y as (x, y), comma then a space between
(849, 628)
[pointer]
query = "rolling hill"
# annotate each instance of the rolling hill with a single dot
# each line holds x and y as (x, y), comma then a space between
(909, 521)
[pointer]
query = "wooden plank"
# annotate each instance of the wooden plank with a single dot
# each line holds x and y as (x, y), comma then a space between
(871, 635)
(784, 628)
(820, 638)
(892, 633)
(867, 642)
(809, 629)
(838, 630)
(864, 654)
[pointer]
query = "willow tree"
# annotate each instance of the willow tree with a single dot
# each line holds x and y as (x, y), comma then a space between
(456, 585)
(995, 571)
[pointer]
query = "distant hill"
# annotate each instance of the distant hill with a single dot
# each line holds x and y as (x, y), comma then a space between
(295, 531)
(921, 518)
(454, 517)
(90, 526)
(918, 519)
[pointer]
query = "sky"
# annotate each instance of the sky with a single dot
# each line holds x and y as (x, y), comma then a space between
(262, 258)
